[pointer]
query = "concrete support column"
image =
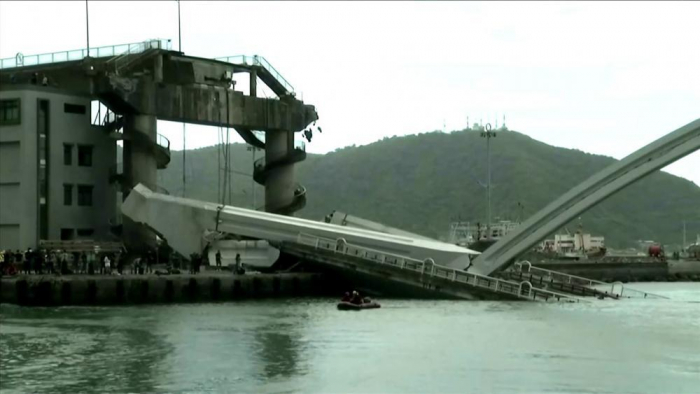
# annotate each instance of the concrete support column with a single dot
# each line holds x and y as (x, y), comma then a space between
(140, 166)
(281, 182)
(158, 69)
(253, 83)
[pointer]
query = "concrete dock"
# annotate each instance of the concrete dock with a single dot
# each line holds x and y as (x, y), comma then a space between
(52, 290)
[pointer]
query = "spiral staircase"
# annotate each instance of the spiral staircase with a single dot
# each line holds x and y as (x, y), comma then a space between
(262, 168)
(113, 125)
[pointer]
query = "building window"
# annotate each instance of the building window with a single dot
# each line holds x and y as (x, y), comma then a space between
(74, 109)
(68, 154)
(67, 234)
(9, 112)
(85, 232)
(68, 195)
(85, 155)
(84, 196)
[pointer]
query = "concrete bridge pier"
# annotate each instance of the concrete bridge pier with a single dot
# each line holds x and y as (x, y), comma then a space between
(280, 184)
(140, 133)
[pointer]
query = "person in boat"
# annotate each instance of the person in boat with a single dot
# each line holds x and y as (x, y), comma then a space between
(356, 299)
(346, 297)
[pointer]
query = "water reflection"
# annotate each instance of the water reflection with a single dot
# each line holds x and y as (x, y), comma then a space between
(81, 349)
(307, 346)
(278, 350)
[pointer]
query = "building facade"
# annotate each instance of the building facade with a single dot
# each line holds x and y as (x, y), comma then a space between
(55, 168)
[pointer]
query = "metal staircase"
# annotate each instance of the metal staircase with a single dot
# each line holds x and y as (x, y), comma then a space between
(298, 202)
(135, 53)
(268, 74)
(262, 167)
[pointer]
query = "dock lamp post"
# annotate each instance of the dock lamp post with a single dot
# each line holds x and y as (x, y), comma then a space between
(488, 134)
(87, 27)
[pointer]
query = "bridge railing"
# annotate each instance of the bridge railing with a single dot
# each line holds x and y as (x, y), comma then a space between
(256, 60)
(163, 141)
(79, 54)
(616, 288)
(523, 290)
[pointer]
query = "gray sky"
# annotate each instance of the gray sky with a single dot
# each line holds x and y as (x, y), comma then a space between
(600, 77)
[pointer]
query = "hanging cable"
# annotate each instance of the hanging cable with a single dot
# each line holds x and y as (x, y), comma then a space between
(184, 158)
(218, 167)
(228, 163)
(230, 173)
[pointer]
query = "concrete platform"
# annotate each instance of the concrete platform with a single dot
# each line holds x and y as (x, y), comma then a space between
(51, 290)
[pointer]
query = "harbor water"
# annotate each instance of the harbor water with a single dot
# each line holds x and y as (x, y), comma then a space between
(307, 346)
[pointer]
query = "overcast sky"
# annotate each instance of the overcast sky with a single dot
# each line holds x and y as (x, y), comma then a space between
(602, 77)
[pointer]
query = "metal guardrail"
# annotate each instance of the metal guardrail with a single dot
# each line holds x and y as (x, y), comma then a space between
(299, 191)
(256, 60)
(527, 267)
(78, 54)
(523, 290)
(299, 145)
(163, 141)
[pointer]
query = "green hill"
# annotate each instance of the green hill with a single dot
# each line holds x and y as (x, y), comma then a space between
(421, 182)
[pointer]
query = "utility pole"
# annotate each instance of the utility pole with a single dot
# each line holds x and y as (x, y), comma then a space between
(179, 31)
(488, 134)
(184, 132)
(684, 240)
(87, 28)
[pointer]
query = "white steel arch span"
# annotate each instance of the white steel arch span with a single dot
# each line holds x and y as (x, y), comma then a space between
(595, 189)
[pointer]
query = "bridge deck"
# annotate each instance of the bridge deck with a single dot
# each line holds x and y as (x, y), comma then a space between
(432, 278)
(184, 221)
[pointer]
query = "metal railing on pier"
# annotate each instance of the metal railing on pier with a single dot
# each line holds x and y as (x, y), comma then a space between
(523, 290)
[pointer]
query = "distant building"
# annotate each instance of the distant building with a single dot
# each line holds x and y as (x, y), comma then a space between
(54, 168)
(643, 245)
(568, 243)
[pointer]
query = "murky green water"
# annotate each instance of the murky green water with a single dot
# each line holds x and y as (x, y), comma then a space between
(304, 346)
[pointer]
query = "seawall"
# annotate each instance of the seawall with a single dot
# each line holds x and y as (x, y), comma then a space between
(50, 290)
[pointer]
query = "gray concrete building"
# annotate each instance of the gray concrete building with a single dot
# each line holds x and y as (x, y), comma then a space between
(54, 168)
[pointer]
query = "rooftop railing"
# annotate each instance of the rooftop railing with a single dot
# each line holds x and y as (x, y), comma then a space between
(78, 54)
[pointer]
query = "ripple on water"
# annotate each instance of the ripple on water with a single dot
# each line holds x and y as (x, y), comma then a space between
(307, 345)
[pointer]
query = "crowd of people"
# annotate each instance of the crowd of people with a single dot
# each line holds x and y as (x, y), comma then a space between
(61, 262)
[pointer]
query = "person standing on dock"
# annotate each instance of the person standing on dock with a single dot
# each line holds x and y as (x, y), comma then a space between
(135, 265)
(107, 265)
(218, 260)
(83, 263)
(91, 263)
(149, 261)
(19, 260)
(193, 263)
(119, 262)
(237, 267)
